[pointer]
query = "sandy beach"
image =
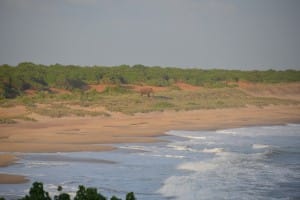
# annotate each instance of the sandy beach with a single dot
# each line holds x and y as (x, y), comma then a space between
(73, 134)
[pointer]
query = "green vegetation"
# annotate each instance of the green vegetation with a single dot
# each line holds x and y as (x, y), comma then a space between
(59, 110)
(89, 103)
(7, 121)
(61, 91)
(186, 100)
(14, 80)
(12, 120)
(37, 192)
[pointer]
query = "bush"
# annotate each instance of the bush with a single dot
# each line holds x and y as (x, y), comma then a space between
(63, 196)
(114, 90)
(164, 105)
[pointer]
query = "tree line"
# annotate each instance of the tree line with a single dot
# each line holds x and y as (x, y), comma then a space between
(16, 79)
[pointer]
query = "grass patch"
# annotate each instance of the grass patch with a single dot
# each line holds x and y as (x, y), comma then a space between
(26, 118)
(164, 105)
(115, 90)
(7, 121)
(121, 99)
(209, 98)
(57, 111)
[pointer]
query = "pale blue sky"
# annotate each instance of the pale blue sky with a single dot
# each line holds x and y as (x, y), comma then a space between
(239, 34)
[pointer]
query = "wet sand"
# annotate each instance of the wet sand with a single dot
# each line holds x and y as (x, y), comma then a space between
(7, 159)
(62, 158)
(12, 179)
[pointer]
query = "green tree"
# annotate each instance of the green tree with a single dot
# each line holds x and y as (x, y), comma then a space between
(130, 196)
(88, 194)
(37, 192)
(115, 198)
(62, 196)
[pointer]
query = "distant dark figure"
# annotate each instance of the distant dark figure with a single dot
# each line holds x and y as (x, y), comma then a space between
(146, 91)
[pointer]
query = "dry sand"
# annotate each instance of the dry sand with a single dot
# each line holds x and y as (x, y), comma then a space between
(97, 133)
(72, 134)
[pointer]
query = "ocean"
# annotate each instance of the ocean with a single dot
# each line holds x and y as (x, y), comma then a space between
(242, 163)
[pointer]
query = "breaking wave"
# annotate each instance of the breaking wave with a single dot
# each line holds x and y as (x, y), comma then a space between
(256, 165)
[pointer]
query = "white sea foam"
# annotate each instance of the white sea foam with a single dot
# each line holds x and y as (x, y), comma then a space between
(179, 187)
(42, 164)
(174, 156)
(168, 156)
(52, 189)
(213, 150)
(177, 147)
(141, 148)
(195, 137)
(51, 186)
(260, 146)
(198, 166)
(182, 148)
(237, 169)
(228, 132)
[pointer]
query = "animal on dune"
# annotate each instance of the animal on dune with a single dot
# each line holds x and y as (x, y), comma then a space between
(146, 91)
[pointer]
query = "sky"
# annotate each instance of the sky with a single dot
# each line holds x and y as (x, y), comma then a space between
(228, 34)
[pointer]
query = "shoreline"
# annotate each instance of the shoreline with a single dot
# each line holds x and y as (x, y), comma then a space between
(79, 134)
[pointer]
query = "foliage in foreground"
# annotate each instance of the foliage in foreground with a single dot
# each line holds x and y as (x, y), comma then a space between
(37, 192)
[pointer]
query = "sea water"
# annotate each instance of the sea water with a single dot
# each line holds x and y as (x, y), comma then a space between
(242, 163)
